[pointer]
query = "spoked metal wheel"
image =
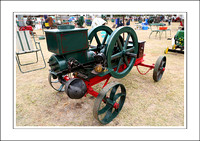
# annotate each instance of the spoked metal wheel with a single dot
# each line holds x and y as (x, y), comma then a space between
(55, 83)
(159, 68)
(98, 41)
(109, 102)
(122, 52)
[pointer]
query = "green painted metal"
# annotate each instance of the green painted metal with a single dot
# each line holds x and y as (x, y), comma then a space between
(65, 41)
(105, 72)
(92, 34)
(116, 51)
(90, 56)
(80, 21)
(55, 83)
(158, 24)
(179, 38)
(59, 63)
(159, 68)
(20, 40)
(66, 27)
(27, 41)
(104, 110)
(41, 37)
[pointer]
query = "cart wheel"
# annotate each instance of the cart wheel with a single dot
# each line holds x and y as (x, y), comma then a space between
(159, 68)
(55, 83)
(109, 102)
(93, 34)
(166, 50)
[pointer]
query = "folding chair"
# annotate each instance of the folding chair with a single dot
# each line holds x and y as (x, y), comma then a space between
(24, 46)
(155, 30)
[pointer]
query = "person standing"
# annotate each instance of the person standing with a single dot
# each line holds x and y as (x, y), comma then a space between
(169, 21)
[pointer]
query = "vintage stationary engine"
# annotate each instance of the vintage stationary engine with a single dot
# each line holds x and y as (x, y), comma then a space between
(72, 55)
(77, 64)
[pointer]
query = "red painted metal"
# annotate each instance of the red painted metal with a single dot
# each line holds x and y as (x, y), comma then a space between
(66, 78)
(91, 91)
(141, 72)
(24, 28)
(106, 82)
(93, 81)
(145, 65)
(116, 105)
(97, 79)
(139, 62)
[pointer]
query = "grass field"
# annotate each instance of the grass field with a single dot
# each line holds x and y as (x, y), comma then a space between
(147, 103)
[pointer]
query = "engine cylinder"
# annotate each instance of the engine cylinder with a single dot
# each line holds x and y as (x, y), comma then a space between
(57, 63)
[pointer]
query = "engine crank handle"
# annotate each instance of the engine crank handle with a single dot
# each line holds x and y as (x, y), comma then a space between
(131, 54)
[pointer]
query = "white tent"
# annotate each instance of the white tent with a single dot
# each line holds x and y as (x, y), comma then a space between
(97, 22)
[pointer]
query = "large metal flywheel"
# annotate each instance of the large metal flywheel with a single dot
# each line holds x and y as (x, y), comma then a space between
(94, 34)
(121, 54)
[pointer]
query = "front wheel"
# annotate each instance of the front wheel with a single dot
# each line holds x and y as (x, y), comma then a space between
(109, 102)
(159, 68)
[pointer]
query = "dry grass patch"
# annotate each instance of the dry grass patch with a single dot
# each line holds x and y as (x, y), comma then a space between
(147, 103)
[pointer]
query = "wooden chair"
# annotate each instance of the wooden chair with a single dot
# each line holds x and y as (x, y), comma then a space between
(25, 46)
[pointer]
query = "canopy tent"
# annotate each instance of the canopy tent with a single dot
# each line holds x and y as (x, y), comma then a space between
(97, 22)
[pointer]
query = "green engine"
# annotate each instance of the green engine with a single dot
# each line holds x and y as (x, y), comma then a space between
(82, 55)
(74, 51)
(69, 45)
(179, 38)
